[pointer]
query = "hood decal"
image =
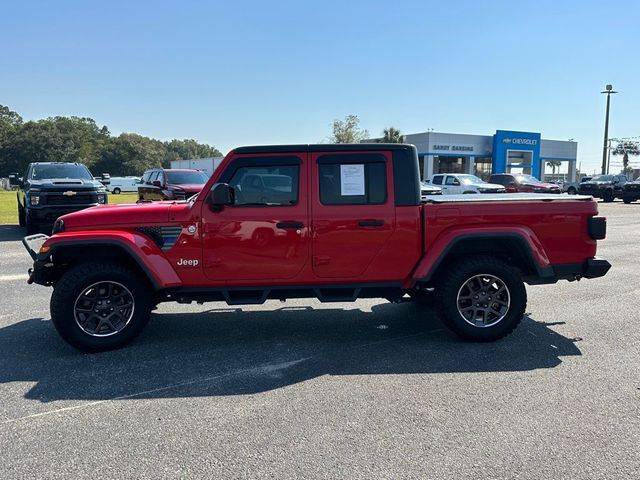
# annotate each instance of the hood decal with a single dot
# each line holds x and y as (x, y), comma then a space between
(164, 236)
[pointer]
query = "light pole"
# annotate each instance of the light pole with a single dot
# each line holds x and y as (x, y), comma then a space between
(609, 90)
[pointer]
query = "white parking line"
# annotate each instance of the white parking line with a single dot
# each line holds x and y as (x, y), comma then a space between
(11, 278)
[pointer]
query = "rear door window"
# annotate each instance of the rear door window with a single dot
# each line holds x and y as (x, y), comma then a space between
(359, 179)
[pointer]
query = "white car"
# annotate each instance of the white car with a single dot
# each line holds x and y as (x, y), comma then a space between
(123, 184)
(457, 183)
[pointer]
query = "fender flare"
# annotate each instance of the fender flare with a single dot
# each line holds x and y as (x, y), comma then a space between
(446, 242)
(140, 248)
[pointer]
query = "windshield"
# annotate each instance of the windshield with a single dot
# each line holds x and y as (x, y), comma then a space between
(60, 170)
(602, 178)
(185, 178)
(470, 179)
(523, 178)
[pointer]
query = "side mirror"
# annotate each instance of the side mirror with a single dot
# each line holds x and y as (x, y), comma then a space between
(221, 194)
(156, 183)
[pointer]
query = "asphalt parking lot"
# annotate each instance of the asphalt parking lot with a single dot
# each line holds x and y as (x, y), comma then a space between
(309, 390)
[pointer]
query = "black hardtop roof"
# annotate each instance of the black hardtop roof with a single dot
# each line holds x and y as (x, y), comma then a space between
(57, 163)
(323, 147)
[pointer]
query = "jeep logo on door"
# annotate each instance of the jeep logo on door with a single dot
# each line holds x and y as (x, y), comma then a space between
(188, 262)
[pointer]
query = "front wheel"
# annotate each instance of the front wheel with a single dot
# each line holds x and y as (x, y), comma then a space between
(481, 298)
(627, 200)
(608, 196)
(21, 217)
(572, 191)
(100, 306)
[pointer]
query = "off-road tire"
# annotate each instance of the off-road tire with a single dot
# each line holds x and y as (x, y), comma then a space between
(21, 217)
(451, 282)
(608, 196)
(29, 226)
(75, 281)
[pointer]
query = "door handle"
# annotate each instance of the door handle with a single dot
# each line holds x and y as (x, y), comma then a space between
(296, 225)
(371, 223)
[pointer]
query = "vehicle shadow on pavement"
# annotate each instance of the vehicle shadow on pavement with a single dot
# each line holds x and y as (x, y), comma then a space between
(11, 233)
(230, 351)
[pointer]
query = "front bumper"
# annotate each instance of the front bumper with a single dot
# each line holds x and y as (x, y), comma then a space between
(46, 214)
(42, 265)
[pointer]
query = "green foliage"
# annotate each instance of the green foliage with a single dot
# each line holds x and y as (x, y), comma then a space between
(348, 130)
(554, 164)
(392, 135)
(76, 139)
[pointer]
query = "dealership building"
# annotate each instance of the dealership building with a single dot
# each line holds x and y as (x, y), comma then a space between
(503, 152)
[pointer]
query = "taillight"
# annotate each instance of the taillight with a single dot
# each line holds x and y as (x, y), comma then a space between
(598, 227)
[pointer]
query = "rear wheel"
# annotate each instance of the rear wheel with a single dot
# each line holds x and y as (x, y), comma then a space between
(627, 200)
(572, 191)
(481, 299)
(116, 191)
(97, 307)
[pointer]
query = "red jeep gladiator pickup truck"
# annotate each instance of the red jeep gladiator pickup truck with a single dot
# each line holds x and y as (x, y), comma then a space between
(333, 222)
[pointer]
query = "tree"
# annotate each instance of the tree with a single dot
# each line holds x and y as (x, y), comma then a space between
(392, 135)
(554, 164)
(130, 154)
(626, 148)
(187, 149)
(348, 130)
(79, 139)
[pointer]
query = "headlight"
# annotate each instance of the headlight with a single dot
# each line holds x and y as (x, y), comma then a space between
(34, 199)
(102, 197)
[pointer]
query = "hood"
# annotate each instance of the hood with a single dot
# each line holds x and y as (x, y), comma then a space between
(189, 187)
(126, 214)
(66, 184)
(596, 182)
(490, 185)
(542, 185)
(428, 187)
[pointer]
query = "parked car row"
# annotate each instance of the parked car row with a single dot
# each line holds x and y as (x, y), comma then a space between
(459, 183)
(49, 190)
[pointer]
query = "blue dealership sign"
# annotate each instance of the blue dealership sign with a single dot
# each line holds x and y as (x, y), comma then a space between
(505, 140)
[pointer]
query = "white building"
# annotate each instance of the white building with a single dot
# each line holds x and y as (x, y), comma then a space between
(503, 152)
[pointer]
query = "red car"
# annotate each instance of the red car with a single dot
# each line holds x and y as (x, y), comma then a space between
(333, 222)
(171, 184)
(520, 182)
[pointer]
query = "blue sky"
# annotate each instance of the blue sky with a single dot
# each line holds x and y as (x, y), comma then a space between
(236, 73)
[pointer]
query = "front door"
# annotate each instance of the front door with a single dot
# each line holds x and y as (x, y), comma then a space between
(264, 235)
(353, 212)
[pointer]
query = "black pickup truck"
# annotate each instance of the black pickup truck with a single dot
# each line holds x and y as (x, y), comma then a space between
(606, 187)
(51, 189)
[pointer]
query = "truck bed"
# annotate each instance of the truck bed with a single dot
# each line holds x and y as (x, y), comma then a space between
(506, 197)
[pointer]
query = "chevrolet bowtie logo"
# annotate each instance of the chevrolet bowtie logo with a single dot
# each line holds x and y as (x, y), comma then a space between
(69, 193)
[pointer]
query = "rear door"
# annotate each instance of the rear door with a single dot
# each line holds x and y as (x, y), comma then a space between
(353, 214)
(265, 234)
